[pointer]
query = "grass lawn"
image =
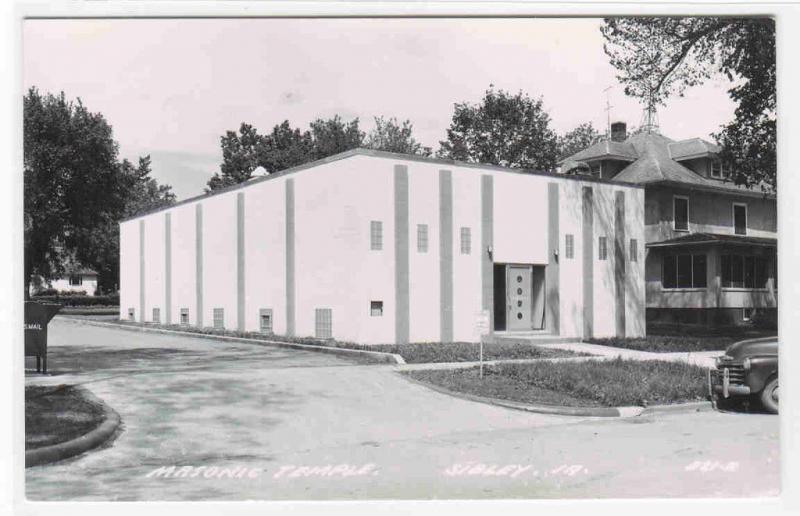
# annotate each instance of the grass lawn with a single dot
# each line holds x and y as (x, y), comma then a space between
(415, 353)
(57, 414)
(608, 383)
(672, 338)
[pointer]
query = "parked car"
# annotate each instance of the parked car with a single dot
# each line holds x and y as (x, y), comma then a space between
(748, 368)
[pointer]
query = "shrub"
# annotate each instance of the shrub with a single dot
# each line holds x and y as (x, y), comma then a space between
(79, 300)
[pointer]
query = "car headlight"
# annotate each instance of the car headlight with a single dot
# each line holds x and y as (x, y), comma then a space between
(746, 364)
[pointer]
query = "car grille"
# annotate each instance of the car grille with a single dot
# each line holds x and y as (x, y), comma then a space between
(735, 372)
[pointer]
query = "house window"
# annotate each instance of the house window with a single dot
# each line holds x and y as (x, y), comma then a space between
(684, 271)
(376, 308)
(740, 219)
(323, 323)
(184, 316)
(680, 210)
(265, 320)
(602, 248)
(466, 241)
(747, 314)
(76, 280)
(219, 318)
(422, 238)
(716, 168)
(156, 315)
(634, 250)
(744, 271)
(131, 314)
(376, 235)
(569, 246)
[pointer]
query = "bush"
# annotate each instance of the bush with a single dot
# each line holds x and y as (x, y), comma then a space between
(78, 300)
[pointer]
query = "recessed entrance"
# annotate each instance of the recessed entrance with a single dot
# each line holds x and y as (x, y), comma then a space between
(518, 297)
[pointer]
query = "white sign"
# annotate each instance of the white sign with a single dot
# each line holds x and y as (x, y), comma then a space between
(482, 323)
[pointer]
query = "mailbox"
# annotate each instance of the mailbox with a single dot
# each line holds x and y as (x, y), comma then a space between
(37, 316)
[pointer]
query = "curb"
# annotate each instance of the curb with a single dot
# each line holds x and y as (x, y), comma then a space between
(79, 445)
(623, 412)
(378, 356)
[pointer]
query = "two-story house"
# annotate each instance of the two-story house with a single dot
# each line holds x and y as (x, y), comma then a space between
(711, 245)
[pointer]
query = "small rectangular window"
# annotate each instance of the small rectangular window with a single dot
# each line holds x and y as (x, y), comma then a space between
(740, 219)
(184, 316)
(422, 238)
(156, 315)
(569, 246)
(376, 308)
(602, 248)
(681, 213)
(747, 314)
(131, 314)
(376, 235)
(76, 280)
(466, 241)
(219, 318)
(265, 320)
(634, 251)
(716, 168)
(323, 323)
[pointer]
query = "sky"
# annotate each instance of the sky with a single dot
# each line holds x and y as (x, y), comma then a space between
(171, 87)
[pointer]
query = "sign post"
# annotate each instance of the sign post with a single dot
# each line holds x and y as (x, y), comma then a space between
(482, 328)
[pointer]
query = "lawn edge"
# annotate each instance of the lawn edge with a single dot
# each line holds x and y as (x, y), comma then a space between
(79, 445)
(378, 356)
(623, 412)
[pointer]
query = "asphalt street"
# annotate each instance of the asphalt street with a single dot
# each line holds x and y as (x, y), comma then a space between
(210, 420)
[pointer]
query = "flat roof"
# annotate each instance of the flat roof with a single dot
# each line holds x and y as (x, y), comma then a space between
(388, 155)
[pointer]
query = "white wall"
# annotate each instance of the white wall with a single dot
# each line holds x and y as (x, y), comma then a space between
(129, 268)
(183, 268)
(154, 265)
(520, 218)
(219, 258)
(424, 295)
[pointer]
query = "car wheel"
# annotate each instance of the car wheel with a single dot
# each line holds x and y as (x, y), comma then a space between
(769, 396)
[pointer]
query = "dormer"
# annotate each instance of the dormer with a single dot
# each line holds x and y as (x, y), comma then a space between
(700, 156)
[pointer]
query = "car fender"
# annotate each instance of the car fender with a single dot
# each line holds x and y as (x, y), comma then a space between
(761, 370)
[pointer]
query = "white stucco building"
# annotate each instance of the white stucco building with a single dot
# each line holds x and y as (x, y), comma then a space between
(375, 247)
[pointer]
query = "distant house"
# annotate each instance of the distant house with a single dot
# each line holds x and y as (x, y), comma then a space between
(76, 279)
(710, 244)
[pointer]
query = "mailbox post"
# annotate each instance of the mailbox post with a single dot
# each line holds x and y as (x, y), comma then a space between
(37, 316)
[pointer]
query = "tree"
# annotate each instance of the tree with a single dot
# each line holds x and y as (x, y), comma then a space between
(333, 136)
(240, 155)
(504, 129)
(583, 136)
(71, 182)
(660, 57)
(283, 148)
(144, 194)
(391, 136)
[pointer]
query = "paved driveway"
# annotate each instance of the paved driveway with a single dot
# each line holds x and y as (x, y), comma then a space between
(263, 413)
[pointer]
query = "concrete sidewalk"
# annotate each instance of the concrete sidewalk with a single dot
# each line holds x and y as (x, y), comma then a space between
(698, 358)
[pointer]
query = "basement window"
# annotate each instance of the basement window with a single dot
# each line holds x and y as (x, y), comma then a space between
(376, 308)
(219, 318)
(265, 320)
(569, 246)
(323, 323)
(422, 238)
(156, 315)
(747, 314)
(184, 316)
(131, 314)
(602, 248)
(466, 241)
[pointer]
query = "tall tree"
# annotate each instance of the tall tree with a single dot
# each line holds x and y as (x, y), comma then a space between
(334, 135)
(143, 194)
(583, 136)
(504, 129)
(660, 57)
(240, 155)
(284, 148)
(71, 182)
(391, 136)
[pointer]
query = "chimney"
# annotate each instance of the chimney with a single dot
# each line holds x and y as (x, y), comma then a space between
(619, 132)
